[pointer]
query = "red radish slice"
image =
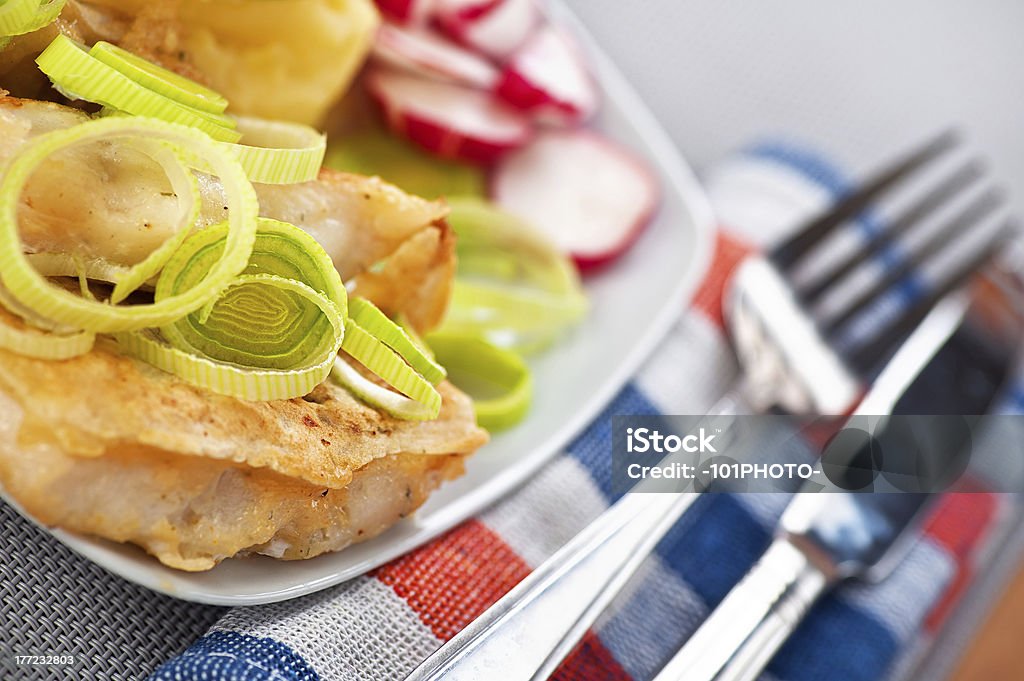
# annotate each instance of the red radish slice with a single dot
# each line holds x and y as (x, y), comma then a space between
(408, 12)
(430, 55)
(449, 120)
(548, 79)
(589, 195)
(496, 30)
(463, 10)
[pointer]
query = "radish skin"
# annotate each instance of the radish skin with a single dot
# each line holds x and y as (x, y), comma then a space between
(446, 119)
(455, 11)
(496, 29)
(407, 12)
(548, 79)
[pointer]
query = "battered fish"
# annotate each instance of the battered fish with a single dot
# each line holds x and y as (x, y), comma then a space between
(106, 445)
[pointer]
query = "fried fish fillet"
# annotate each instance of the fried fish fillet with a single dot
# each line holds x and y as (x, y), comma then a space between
(105, 445)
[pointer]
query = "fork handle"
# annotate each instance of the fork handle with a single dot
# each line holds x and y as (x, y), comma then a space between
(746, 630)
(527, 633)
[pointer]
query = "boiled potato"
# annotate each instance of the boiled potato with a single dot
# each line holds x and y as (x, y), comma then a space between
(283, 59)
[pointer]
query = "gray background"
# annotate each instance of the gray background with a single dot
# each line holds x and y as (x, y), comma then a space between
(855, 79)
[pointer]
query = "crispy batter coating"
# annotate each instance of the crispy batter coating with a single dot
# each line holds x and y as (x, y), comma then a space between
(106, 445)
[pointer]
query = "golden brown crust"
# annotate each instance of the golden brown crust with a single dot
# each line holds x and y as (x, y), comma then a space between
(192, 512)
(101, 402)
(429, 258)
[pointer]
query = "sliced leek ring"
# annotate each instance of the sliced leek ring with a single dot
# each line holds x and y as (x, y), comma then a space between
(498, 380)
(388, 401)
(513, 287)
(18, 17)
(25, 340)
(375, 322)
(79, 75)
(184, 91)
(227, 379)
(277, 152)
(390, 367)
(34, 291)
(285, 312)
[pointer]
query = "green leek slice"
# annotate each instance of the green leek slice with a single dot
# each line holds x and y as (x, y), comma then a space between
(79, 75)
(374, 150)
(378, 396)
(18, 17)
(390, 367)
(498, 380)
(184, 91)
(227, 379)
(30, 342)
(375, 322)
(286, 311)
(277, 152)
(513, 287)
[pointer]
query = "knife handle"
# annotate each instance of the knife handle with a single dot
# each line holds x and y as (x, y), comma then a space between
(744, 632)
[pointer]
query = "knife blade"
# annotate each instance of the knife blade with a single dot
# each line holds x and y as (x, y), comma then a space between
(953, 364)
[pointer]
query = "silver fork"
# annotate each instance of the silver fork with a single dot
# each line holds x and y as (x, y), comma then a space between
(826, 538)
(791, 359)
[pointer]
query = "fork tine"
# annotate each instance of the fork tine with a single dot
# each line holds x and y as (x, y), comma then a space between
(951, 186)
(970, 216)
(788, 252)
(870, 355)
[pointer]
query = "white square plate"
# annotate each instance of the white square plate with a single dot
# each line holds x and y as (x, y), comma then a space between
(634, 302)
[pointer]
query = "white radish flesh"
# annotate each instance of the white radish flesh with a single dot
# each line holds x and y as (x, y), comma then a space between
(427, 54)
(589, 195)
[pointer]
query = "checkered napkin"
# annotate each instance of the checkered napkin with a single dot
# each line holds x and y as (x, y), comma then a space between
(379, 626)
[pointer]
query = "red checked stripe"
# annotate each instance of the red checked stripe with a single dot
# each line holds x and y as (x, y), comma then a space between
(591, 661)
(729, 251)
(452, 580)
(960, 524)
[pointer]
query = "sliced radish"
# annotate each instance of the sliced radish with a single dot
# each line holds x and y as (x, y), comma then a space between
(449, 120)
(495, 29)
(430, 55)
(409, 12)
(463, 10)
(547, 78)
(592, 197)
